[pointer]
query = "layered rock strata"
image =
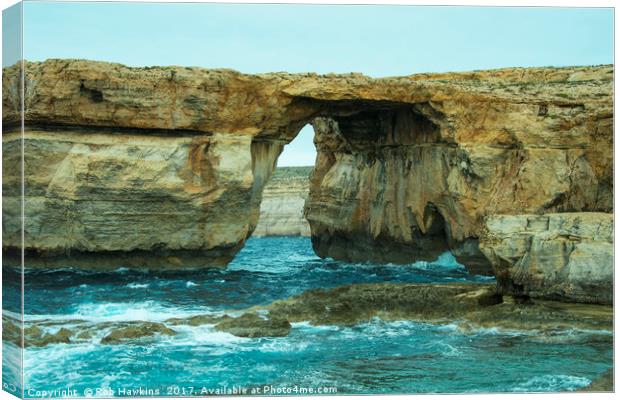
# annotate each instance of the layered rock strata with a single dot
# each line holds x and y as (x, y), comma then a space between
(165, 166)
(282, 207)
(555, 256)
(408, 183)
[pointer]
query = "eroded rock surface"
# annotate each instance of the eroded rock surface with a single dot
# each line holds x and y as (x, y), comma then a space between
(42, 333)
(136, 331)
(410, 181)
(165, 166)
(604, 383)
(555, 256)
(470, 306)
(254, 325)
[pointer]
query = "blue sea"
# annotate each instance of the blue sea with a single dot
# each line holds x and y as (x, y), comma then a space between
(371, 357)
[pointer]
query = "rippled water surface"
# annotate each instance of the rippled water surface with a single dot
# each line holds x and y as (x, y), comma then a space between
(373, 357)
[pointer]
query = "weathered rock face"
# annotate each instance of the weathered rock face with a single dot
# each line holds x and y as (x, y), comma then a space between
(136, 331)
(130, 199)
(166, 166)
(409, 182)
(282, 207)
(253, 325)
(554, 256)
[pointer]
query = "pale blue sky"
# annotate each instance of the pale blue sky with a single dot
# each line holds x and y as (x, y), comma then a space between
(375, 40)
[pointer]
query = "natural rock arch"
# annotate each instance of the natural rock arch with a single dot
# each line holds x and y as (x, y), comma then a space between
(164, 167)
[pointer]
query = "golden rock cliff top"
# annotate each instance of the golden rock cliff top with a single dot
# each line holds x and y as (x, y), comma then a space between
(80, 92)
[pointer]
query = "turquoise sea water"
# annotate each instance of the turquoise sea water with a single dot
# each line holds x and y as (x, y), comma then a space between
(372, 357)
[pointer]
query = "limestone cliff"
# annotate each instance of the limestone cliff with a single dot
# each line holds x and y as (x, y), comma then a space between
(169, 163)
(555, 256)
(409, 182)
(282, 208)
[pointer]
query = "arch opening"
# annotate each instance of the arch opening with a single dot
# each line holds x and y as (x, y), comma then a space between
(300, 152)
(284, 196)
(362, 199)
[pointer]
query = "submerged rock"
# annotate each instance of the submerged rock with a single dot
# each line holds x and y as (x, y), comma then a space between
(254, 325)
(39, 334)
(46, 332)
(11, 331)
(604, 383)
(356, 303)
(137, 331)
(471, 306)
(63, 335)
(86, 334)
(35, 336)
(544, 316)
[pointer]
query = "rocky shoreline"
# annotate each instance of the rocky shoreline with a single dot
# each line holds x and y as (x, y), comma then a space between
(469, 306)
(567, 256)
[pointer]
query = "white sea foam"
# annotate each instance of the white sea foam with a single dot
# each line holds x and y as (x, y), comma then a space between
(12, 315)
(211, 336)
(205, 339)
(190, 284)
(282, 345)
(448, 328)
(307, 326)
(265, 368)
(121, 311)
(469, 330)
(606, 332)
(567, 336)
(378, 328)
(445, 261)
(552, 383)
(39, 359)
(449, 350)
(11, 359)
(137, 285)
(203, 334)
